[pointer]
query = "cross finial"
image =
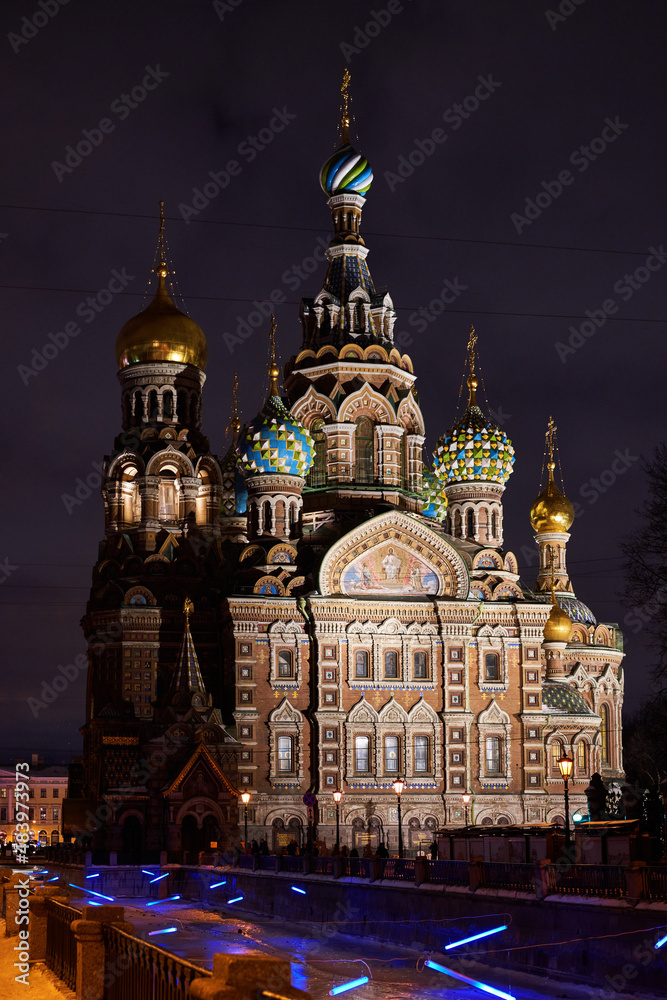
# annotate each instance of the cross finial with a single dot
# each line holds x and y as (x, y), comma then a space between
(235, 423)
(162, 263)
(274, 371)
(188, 608)
(472, 378)
(345, 113)
(551, 435)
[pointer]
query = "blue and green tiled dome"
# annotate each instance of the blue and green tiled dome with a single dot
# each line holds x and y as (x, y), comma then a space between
(573, 607)
(275, 442)
(346, 170)
(558, 696)
(433, 492)
(474, 450)
(234, 493)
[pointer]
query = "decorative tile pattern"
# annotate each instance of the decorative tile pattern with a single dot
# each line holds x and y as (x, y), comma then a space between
(276, 442)
(474, 449)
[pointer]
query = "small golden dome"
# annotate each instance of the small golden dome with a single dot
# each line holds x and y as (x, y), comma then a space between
(558, 624)
(552, 511)
(161, 333)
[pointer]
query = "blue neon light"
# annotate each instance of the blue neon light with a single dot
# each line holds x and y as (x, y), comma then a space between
(158, 878)
(236, 899)
(662, 941)
(476, 937)
(471, 982)
(214, 885)
(348, 986)
(91, 902)
(96, 875)
(167, 930)
(296, 889)
(54, 879)
(147, 873)
(167, 900)
(83, 889)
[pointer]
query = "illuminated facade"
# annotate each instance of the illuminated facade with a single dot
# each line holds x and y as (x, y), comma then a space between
(356, 614)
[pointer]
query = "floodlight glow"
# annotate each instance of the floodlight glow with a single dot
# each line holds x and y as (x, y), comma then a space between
(471, 982)
(147, 873)
(167, 900)
(236, 899)
(348, 986)
(476, 937)
(83, 889)
(295, 889)
(214, 885)
(96, 875)
(662, 941)
(158, 878)
(167, 930)
(577, 818)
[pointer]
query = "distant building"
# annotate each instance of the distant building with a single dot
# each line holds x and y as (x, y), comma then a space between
(320, 610)
(48, 788)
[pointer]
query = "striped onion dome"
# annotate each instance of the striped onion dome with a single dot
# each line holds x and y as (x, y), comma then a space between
(346, 170)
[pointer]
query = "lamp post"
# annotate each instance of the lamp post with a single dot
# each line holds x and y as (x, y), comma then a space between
(245, 799)
(337, 797)
(466, 802)
(566, 764)
(398, 787)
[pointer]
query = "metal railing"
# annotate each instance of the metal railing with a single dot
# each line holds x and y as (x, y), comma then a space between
(655, 883)
(60, 941)
(501, 875)
(324, 866)
(289, 863)
(448, 872)
(402, 869)
(607, 881)
(268, 861)
(359, 867)
(143, 971)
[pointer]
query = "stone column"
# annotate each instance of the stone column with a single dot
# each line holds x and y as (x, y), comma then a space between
(149, 491)
(189, 490)
(38, 919)
(90, 948)
(241, 977)
(414, 444)
(634, 882)
(340, 452)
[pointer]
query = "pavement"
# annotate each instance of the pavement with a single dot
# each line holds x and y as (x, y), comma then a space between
(42, 984)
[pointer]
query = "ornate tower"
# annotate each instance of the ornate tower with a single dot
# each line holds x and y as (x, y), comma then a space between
(551, 517)
(475, 459)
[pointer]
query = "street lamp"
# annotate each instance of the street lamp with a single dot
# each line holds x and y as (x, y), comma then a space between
(566, 764)
(466, 802)
(245, 799)
(337, 797)
(398, 787)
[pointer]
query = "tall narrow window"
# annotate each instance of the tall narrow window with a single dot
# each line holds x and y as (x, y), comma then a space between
(493, 747)
(391, 753)
(168, 404)
(285, 755)
(556, 754)
(604, 733)
(365, 472)
(494, 524)
(404, 463)
(581, 757)
(152, 404)
(421, 753)
(361, 663)
(284, 663)
(420, 665)
(362, 753)
(391, 663)
(470, 523)
(167, 507)
(138, 406)
(491, 667)
(317, 475)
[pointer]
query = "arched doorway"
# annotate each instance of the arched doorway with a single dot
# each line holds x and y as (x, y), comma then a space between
(133, 840)
(279, 835)
(189, 835)
(295, 830)
(210, 834)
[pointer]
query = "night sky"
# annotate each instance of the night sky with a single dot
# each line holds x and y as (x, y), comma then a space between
(569, 107)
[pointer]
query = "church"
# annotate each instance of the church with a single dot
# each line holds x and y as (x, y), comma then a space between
(323, 609)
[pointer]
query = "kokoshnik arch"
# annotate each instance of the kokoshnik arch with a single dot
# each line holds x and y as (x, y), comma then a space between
(321, 609)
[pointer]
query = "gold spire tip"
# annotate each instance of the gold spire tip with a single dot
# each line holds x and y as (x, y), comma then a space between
(274, 371)
(345, 110)
(162, 269)
(235, 423)
(188, 608)
(472, 378)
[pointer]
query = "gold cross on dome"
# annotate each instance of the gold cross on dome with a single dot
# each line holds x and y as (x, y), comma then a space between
(345, 113)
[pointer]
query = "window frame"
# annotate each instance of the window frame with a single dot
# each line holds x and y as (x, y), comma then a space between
(390, 653)
(421, 741)
(359, 753)
(365, 653)
(416, 676)
(280, 662)
(496, 665)
(396, 745)
(489, 770)
(285, 753)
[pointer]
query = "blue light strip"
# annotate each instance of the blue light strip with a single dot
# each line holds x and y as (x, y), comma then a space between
(147, 873)
(236, 899)
(158, 878)
(471, 982)
(344, 987)
(214, 885)
(54, 879)
(96, 875)
(83, 889)
(476, 937)
(660, 943)
(167, 930)
(167, 900)
(296, 889)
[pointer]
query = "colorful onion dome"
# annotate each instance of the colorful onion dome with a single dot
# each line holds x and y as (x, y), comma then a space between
(559, 696)
(433, 492)
(558, 624)
(474, 449)
(234, 492)
(346, 170)
(275, 442)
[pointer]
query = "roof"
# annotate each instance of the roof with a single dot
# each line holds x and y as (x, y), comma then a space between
(561, 697)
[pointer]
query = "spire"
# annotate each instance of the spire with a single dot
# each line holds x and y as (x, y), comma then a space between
(345, 112)
(188, 676)
(235, 423)
(274, 371)
(472, 378)
(551, 517)
(558, 625)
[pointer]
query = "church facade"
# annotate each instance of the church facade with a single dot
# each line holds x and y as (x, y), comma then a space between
(321, 610)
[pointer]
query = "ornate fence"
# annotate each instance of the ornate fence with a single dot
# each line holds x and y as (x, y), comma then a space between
(60, 942)
(607, 881)
(141, 971)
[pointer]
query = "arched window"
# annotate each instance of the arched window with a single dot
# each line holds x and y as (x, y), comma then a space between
(318, 470)
(152, 405)
(557, 751)
(266, 512)
(168, 403)
(138, 406)
(181, 406)
(364, 451)
(494, 524)
(362, 754)
(421, 754)
(361, 663)
(284, 663)
(581, 757)
(193, 409)
(493, 755)
(285, 753)
(391, 754)
(604, 733)
(391, 663)
(167, 509)
(55, 837)
(470, 523)
(491, 667)
(420, 665)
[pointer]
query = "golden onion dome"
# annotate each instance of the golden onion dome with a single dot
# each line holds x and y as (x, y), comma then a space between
(558, 624)
(552, 511)
(161, 332)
